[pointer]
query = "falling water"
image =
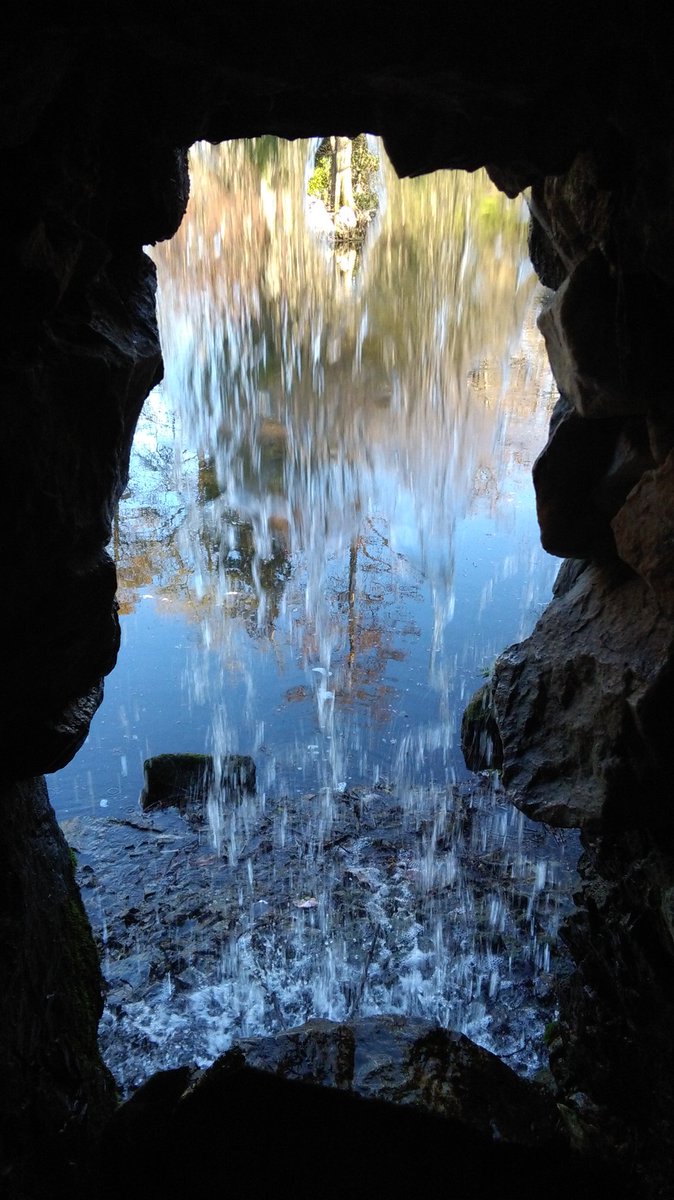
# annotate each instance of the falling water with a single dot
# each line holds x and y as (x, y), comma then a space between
(329, 535)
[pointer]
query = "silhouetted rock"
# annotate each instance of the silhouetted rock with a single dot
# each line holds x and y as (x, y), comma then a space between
(320, 1115)
(55, 1093)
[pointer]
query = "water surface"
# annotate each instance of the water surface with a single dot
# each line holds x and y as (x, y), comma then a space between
(329, 532)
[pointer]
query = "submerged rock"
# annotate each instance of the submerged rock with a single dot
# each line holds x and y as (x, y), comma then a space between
(185, 780)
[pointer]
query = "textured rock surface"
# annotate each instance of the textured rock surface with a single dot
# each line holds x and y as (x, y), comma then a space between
(567, 476)
(579, 327)
(583, 707)
(64, 462)
(647, 544)
(408, 1061)
(612, 1052)
(55, 1091)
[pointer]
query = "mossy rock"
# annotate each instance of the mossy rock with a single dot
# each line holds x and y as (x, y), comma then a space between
(185, 780)
(480, 737)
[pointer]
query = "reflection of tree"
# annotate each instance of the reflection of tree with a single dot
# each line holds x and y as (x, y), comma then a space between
(252, 570)
(153, 546)
(146, 554)
(367, 615)
(145, 536)
(341, 183)
(441, 276)
(255, 581)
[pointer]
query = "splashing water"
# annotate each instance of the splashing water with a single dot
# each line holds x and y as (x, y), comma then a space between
(328, 537)
(433, 903)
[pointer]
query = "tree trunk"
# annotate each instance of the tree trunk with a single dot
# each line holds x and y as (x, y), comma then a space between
(341, 190)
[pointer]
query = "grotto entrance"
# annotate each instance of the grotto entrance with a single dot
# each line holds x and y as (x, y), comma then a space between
(95, 116)
(328, 535)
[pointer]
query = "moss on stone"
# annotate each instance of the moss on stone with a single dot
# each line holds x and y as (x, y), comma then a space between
(480, 738)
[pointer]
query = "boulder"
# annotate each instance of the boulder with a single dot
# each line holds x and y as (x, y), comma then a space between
(480, 738)
(644, 532)
(582, 340)
(602, 647)
(603, 372)
(383, 1106)
(582, 476)
(185, 780)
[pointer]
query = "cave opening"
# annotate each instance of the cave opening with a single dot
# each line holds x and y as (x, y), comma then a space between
(327, 536)
(95, 118)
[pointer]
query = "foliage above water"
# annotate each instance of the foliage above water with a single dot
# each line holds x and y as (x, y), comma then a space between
(364, 170)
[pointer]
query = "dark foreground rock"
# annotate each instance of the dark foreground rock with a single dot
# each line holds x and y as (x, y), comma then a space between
(406, 1060)
(318, 1121)
(618, 1096)
(55, 1092)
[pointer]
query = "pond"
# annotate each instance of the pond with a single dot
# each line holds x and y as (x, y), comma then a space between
(328, 535)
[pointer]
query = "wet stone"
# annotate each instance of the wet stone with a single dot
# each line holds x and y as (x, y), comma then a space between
(431, 905)
(408, 1060)
(186, 780)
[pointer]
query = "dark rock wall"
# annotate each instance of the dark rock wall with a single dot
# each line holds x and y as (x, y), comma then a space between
(54, 1094)
(584, 708)
(612, 1049)
(98, 105)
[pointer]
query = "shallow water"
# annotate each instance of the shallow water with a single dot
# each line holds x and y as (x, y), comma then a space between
(328, 536)
(438, 904)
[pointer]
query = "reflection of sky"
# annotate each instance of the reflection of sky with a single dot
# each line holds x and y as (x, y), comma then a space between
(501, 581)
(454, 573)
